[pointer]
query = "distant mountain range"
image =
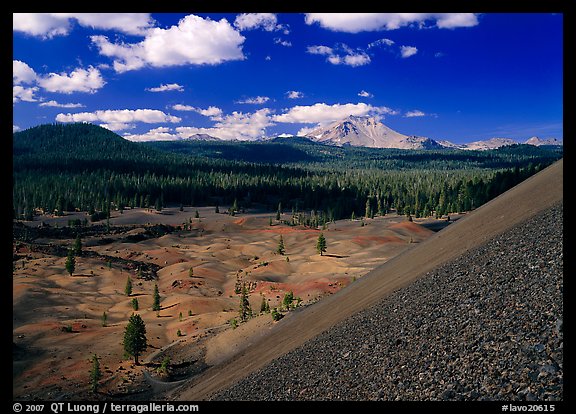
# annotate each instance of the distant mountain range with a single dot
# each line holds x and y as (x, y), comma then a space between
(370, 132)
(362, 131)
(493, 143)
(201, 137)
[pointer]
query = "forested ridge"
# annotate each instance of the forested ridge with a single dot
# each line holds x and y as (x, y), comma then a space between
(66, 167)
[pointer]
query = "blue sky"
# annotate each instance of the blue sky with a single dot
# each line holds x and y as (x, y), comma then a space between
(460, 77)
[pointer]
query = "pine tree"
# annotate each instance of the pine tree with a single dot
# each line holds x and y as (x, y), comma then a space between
(156, 299)
(104, 318)
(164, 366)
(321, 244)
(70, 262)
(135, 341)
(135, 304)
(276, 316)
(128, 288)
(59, 206)
(264, 305)
(281, 250)
(245, 308)
(288, 298)
(368, 213)
(95, 374)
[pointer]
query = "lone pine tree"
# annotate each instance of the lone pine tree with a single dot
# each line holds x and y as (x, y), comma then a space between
(245, 308)
(321, 244)
(95, 374)
(281, 250)
(128, 287)
(70, 262)
(135, 341)
(156, 299)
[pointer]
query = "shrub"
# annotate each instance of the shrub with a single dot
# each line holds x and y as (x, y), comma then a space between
(276, 316)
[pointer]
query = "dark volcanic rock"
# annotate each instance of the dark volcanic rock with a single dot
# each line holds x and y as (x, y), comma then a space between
(487, 326)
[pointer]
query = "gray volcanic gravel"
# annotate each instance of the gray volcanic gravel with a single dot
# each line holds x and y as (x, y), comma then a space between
(487, 326)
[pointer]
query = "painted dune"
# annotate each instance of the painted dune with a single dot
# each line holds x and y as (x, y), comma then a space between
(58, 319)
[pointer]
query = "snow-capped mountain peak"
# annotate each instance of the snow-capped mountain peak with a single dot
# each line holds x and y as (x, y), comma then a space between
(367, 131)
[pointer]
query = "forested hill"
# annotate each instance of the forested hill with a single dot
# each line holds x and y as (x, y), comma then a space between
(58, 168)
(69, 138)
(76, 146)
(302, 151)
(95, 146)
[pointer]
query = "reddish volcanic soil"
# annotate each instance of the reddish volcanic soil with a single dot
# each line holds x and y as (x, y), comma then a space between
(58, 318)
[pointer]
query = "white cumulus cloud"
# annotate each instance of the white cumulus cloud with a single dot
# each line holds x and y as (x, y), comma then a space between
(380, 42)
(194, 41)
(156, 134)
(407, 51)
(257, 100)
(366, 22)
(294, 94)
(167, 87)
(119, 119)
(118, 126)
(79, 80)
(21, 93)
(365, 94)
(282, 42)
(22, 73)
(322, 113)
(213, 112)
(414, 113)
(356, 59)
(56, 104)
(265, 21)
(48, 25)
(251, 21)
(238, 125)
(180, 107)
(341, 54)
(319, 50)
